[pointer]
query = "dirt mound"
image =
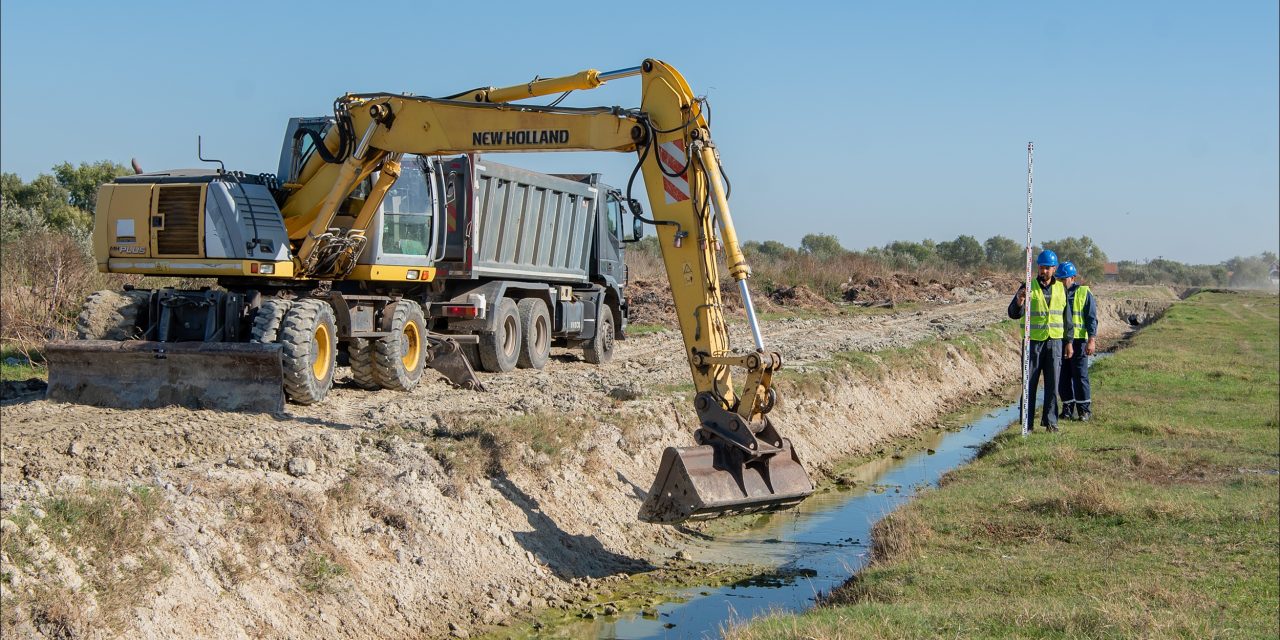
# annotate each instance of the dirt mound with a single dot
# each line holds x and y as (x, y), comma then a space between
(897, 288)
(650, 303)
(801, 297)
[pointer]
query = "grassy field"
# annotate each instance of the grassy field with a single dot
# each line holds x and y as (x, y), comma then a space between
(1161, 518)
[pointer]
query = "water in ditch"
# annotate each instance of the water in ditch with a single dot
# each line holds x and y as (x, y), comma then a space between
(815, 547)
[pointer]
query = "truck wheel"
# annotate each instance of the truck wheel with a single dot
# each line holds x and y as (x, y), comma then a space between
(500, 350)
(535, 325)
(599, 349)
(398, 359)
(308, 336)
(267, 320)
(360, 357)
(112, 315)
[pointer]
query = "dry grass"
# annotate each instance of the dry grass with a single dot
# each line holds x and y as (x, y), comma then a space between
(103, 537)
(1085, 499)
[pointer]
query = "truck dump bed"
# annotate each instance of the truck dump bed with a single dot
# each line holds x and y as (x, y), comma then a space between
(527, 225)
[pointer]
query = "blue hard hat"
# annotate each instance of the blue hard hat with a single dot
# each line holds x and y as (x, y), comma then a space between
(1047, 258)
(1066, 270)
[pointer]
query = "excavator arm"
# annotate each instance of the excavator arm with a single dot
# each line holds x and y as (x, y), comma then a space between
(741, 464)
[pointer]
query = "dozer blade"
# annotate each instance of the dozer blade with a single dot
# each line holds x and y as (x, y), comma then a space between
(135, 374)
(701, 483)
(447, 359)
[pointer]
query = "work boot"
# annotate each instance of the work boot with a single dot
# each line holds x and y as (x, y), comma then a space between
(1084, 417)
(1068, 412)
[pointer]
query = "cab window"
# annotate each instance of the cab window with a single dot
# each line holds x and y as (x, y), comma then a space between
(406, 212)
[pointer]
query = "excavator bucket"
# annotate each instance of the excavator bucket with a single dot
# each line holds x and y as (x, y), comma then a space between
(134, 374)
(706, 482)
(447, 359)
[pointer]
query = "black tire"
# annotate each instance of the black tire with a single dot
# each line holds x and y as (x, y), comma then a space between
(599, 350)
(535, 329)
(398, 359)
(500, 350)
(310, 348)
(112, 315)
(360, 358)
(267, 320)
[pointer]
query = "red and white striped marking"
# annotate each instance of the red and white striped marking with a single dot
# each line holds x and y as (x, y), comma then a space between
(672, 156)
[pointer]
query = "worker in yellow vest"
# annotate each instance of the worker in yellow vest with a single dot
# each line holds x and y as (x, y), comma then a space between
(1049, 323)
(1073, 386)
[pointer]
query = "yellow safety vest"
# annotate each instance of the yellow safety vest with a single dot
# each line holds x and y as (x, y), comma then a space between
(1077, 312)
(1046, 318)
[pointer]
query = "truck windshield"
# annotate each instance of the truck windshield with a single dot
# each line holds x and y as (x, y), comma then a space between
(406, 212)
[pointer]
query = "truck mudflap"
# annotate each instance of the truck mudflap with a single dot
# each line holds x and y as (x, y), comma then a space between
(229, 376)
(714, 481)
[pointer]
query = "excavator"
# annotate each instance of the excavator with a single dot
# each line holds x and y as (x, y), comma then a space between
(293, 281)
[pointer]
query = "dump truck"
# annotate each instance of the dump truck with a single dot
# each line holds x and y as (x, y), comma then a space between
(334, 249)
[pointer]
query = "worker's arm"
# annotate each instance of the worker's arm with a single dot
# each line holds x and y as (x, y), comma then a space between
(1019, 300)
(1090, 321)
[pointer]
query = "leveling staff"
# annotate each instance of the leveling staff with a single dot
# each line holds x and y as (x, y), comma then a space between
(1049, 323)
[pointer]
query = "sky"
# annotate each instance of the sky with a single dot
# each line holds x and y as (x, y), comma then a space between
(1156, 123)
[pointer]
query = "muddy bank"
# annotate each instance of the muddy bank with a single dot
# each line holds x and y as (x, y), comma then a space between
(431, 513)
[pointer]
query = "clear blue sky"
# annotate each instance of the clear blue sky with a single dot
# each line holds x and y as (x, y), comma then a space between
(1155, 123)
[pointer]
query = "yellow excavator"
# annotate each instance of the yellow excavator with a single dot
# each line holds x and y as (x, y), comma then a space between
(305, 272)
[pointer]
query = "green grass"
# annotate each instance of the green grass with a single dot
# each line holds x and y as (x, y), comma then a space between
(1161, 518)
(24, 369)
(641, 329)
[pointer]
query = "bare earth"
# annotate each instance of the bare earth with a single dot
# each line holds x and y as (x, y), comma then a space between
(437, 529)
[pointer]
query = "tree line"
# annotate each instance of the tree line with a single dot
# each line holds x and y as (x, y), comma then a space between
(999, 253)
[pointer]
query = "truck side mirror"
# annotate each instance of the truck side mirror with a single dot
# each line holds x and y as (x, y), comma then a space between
(637, 230)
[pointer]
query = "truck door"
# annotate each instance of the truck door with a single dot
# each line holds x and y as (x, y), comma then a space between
(609, 260)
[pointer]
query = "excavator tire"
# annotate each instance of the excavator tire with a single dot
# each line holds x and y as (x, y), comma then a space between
(535, 326)
(399, 359)
(599, 350)
(360, 356)
(308, 336)
(267, 321)
(112, 315)
(500, 350)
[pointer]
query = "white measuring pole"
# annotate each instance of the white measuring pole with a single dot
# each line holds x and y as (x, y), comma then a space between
(1026, 309)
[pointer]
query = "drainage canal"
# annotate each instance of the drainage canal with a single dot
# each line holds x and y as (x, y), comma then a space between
(815, 548)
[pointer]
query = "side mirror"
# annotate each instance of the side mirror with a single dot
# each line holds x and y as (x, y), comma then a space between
(637, 225)
(637, 229)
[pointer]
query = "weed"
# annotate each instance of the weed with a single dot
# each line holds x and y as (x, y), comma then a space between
(320, 574)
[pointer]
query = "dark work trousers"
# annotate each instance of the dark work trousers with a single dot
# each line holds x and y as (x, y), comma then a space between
(1045, 360)
(1073, 387)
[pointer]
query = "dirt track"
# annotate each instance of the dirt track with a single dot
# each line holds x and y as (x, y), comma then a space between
(438, 530)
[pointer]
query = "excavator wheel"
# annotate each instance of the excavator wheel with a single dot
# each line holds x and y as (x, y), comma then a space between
(267, 321)
(599, 350)
(360, 356)
(112, 315)
(500, 350)
(309, 338)
(399, 359)
(535, 325)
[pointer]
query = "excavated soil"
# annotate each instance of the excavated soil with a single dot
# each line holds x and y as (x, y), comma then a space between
(440, 511)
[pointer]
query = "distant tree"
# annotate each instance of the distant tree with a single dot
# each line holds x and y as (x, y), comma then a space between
(1250, 271)
(768, 248)
(82, 182)
(964, 251)
(909, 254)
(1004, 253)
(1083, 252)
(821, 245)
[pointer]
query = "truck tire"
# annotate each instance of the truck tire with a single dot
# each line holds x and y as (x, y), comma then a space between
(535, 327)
(112, 315)
(500, 350)
(360, 358)
(398, 359)
(309, 356)
(267, 320)
(599, 350)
